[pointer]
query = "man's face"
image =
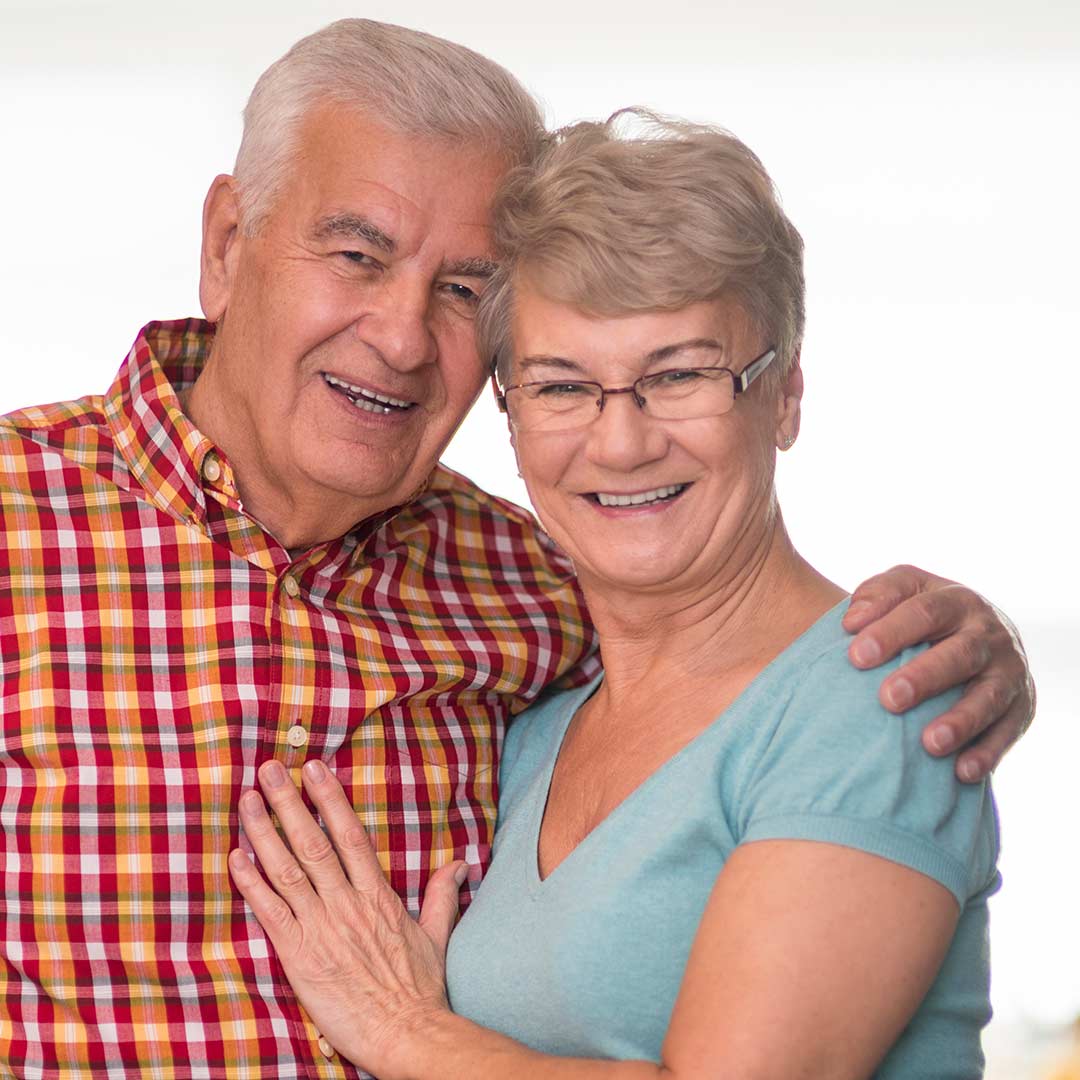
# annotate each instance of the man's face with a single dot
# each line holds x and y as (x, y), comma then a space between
(345, 356)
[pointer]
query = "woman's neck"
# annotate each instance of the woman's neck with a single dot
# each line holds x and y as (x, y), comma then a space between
(754, 606)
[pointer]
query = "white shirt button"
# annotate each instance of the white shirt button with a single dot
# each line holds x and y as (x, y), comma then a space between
(325, 1047)
(296, 736)
(291, 586)
(211, 469)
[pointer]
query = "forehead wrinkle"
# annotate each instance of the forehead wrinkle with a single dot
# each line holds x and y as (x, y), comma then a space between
(353, 227)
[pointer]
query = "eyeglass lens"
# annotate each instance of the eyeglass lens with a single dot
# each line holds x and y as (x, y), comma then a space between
(685, 394)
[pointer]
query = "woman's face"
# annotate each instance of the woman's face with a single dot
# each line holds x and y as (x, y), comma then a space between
(720, 467)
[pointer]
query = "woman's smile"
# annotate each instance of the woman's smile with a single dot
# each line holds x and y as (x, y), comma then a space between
(654, 499)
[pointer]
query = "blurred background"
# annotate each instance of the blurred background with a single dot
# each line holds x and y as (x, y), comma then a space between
(929, 154)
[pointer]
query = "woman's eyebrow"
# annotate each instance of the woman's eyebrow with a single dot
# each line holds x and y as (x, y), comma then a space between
(666, 352)
(544, 360)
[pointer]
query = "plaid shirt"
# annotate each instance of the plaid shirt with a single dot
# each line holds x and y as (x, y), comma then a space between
(156, 645)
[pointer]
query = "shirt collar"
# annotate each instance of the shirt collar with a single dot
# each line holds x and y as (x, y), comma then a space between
(164, 450)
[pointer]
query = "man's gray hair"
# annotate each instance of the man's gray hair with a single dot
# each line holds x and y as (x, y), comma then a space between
(407, 80)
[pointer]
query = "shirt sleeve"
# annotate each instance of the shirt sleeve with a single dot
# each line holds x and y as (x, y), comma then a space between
(841, 769)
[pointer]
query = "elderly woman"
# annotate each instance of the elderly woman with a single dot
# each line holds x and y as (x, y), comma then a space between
(722, 858)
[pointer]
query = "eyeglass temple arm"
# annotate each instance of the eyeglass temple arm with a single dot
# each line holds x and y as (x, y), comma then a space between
(753, 370)
(500, 397)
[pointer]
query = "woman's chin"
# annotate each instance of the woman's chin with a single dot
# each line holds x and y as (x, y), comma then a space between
(645, 572)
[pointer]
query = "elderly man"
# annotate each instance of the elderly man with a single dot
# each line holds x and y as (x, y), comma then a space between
(246, 549)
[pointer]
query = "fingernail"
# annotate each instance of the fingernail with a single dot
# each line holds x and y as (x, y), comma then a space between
(461, 873)
(857, 608)
(251, 803)
(316, 771)
(941, 738)
(900, 693)
(273, 774)
(969, 770)
(866, 652)
(238, 861)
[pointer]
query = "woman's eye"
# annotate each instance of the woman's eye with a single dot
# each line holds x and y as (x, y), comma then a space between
(567, 389)
(674, 378)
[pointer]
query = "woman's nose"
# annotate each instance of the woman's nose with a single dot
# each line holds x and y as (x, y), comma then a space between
(623, 436)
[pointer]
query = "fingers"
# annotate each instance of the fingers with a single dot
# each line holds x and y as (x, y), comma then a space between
(880, 594)
(278, 863)
(349, 835)
(983, 756)
(923, 617)
(440, 907)
(986, 721)
(273, 913)
(949, 663)
(312, 861)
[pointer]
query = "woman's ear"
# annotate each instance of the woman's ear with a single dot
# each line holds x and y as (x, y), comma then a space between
(513, 444)
(789, 406)
(220, 246)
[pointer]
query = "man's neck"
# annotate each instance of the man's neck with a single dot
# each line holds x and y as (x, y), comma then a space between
(297, 522)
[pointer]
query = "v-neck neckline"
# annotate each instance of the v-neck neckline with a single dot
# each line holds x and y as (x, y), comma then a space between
(538, 881)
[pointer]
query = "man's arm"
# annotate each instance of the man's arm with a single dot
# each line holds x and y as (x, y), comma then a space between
(974, 644)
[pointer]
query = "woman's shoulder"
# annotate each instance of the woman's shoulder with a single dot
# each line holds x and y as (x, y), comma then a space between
(830, 762)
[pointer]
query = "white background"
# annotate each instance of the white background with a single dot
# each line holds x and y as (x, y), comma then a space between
(928, 153)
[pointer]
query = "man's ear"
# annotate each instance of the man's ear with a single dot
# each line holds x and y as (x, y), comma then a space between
(789, 406)
(220, 247)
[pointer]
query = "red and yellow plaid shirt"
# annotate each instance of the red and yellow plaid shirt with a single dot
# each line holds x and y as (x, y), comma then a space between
(156, 646)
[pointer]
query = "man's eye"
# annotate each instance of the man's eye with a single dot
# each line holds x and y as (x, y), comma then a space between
(360, 258)
(461, 293)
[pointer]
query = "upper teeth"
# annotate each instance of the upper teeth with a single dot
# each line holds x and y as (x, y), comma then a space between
(367, 395)
(640, 497)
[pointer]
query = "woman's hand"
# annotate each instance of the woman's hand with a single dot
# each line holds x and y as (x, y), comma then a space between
(368, 975)
(975, 644)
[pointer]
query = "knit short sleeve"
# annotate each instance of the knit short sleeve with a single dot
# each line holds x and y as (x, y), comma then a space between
(839, 768)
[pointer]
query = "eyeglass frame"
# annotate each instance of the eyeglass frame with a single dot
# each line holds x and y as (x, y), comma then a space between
(740, 381)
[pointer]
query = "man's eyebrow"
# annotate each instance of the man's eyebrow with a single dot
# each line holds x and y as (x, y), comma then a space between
(354, 227)
(476, 267)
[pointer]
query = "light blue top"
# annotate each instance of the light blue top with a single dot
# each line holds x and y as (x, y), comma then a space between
(588, 962)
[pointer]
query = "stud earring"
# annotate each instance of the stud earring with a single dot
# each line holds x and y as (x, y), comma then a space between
(788, 442)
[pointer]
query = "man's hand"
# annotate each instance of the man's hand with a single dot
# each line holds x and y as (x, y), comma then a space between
(975, 644)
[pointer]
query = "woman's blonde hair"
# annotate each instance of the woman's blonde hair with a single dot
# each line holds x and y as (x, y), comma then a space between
(646, 213)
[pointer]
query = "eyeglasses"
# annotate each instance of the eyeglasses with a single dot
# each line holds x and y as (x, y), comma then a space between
(678, 394)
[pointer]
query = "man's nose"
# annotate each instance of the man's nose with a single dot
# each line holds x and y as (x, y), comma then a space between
(623, 436)
(397, 324)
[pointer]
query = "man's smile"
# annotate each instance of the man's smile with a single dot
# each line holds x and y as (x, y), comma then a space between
(366, 399)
